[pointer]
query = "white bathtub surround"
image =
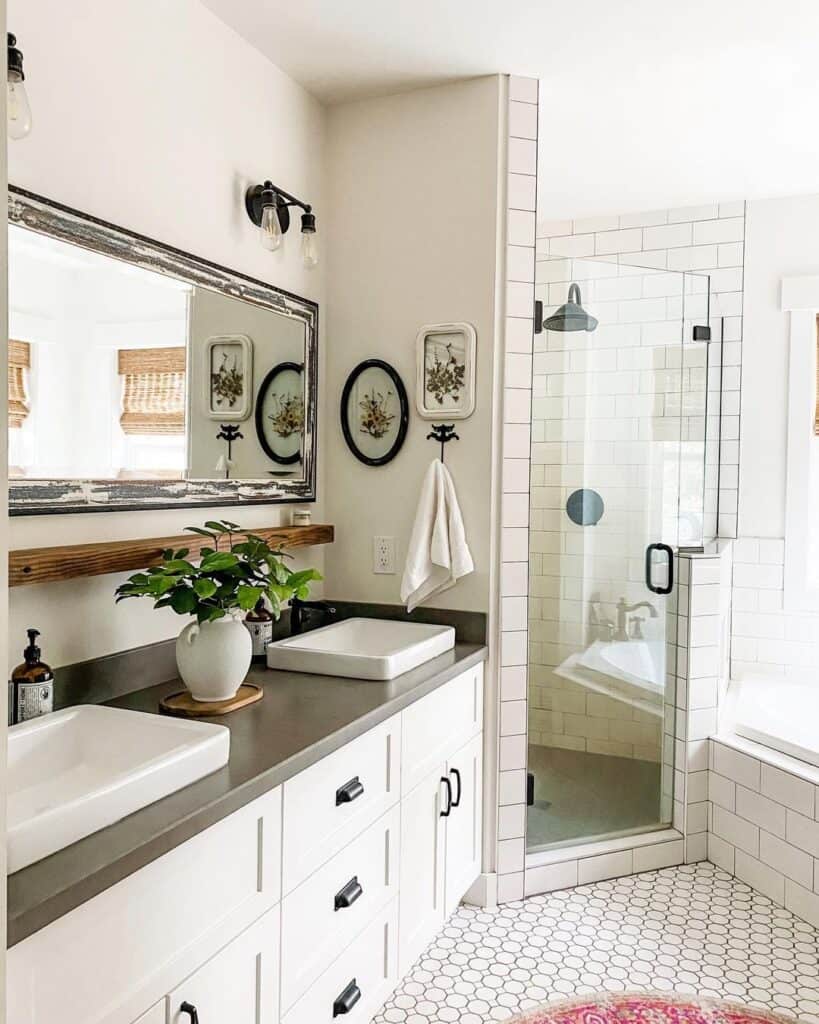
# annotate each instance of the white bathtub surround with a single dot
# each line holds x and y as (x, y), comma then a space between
(764, 826)
(438, 554)
(689, 930)
(514, 548)
(780, 714)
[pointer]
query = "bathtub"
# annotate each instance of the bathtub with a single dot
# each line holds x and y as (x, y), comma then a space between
(777, 713)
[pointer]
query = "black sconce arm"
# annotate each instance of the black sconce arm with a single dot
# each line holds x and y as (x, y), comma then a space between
(254, 205)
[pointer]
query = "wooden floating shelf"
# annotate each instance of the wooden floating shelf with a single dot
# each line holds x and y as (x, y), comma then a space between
(52, 565)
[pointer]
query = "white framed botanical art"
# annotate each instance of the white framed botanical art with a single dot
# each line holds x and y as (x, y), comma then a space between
(445, 368)
(228, 377)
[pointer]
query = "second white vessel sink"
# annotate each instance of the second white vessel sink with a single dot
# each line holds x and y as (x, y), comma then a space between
(362, 648)
(76, 771)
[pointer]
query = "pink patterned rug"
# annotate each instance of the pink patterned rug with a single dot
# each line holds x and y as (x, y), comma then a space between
(647, 1008)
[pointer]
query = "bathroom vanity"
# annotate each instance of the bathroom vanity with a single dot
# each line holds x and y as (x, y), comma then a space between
(296, 884)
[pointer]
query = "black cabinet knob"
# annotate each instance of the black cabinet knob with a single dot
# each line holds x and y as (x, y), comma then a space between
(348, 894)
(347, 1000)
(350, 791)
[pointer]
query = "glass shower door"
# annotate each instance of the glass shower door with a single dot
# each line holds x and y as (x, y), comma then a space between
(615, 391)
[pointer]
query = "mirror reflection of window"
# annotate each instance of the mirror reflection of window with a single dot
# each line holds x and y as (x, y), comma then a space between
(77, 311)
(152, 419)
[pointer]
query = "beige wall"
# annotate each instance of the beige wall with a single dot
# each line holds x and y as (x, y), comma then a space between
(159, 128)
(412, 195)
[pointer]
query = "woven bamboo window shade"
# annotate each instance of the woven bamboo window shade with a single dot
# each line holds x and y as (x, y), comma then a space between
(153, 396)
(19, 362)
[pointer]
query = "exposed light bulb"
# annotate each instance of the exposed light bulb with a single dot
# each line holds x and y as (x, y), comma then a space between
(309, 243)
(270, 228)
(18, 109)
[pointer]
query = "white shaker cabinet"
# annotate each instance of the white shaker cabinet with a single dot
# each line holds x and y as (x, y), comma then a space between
(239, 985)
(441, 823)
(421, 889)
(463, 825)
(306, 904)
(156, 1015)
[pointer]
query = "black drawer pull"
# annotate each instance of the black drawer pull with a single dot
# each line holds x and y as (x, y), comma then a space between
(348, 894)
(457, 774)
(445, 811)
(347, 1000)
(350, 791)
(191, 1011)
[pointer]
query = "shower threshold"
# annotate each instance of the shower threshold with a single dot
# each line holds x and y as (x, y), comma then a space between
(583, 863)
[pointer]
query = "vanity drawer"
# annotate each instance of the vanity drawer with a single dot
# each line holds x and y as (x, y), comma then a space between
(439, 724)
(329, 804)
(316, 923)
(127, 947)
(361, 978)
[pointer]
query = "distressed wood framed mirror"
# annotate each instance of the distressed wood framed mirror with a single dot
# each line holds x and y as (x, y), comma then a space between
(134, 369)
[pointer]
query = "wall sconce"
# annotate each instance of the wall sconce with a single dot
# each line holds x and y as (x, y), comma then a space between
(17, 105)
(268, 206)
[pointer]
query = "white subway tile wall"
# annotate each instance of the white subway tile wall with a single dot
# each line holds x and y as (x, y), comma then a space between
(703, 635)
(514, 576)
(706, 239)
(766, 639)
(765, 827)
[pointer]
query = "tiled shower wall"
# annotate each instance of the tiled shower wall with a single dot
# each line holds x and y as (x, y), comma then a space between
(701, 240)
(517, 404)
(608, 411)
(710, 240)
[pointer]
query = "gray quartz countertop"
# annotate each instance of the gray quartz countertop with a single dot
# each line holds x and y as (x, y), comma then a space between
(300, 720)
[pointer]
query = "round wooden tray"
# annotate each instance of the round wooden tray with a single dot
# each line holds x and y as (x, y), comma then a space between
(183, 705)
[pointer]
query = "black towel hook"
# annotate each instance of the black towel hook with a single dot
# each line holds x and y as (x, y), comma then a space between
(443, 433)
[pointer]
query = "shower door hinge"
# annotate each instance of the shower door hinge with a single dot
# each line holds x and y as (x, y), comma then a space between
(702, 332)
(538, 316)
(530, 789)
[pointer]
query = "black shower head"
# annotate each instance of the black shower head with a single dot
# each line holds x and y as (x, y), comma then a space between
(571, 316)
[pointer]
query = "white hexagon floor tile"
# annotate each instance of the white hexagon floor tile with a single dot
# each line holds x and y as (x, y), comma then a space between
(690, 929)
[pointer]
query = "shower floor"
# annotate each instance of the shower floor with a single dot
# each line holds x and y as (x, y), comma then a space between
(583, 796)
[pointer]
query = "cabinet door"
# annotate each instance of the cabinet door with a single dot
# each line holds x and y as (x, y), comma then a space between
(463, 824)
(239, 985)
(156, 1015)
(433, 728)
(421, 900)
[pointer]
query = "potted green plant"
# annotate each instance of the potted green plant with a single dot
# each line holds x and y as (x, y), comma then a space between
(235, 571)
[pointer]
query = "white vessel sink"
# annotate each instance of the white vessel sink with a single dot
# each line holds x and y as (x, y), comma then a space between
(76, 771)
(362, 648)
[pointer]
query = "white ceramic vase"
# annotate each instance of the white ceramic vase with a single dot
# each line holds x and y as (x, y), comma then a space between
(214, 658)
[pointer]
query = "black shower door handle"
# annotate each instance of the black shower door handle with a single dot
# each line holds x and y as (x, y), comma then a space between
(669, 553)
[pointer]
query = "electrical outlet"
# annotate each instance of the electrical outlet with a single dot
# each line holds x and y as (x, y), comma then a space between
(384, 555)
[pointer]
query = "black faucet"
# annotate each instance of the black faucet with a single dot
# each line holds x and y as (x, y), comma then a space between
(298, 610)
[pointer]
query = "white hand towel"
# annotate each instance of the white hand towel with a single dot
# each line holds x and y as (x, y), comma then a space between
(438, 555)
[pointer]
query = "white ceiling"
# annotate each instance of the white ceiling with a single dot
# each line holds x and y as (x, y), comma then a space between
(645, 103)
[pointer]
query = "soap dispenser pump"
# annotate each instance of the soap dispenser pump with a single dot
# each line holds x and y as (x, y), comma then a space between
(32, 683)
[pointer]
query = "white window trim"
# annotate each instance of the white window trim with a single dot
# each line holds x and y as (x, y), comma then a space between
(800, 298)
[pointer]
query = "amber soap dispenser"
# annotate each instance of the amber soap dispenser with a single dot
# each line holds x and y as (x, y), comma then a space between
(32, 684)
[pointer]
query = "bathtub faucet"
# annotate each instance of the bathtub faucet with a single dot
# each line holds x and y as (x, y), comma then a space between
(623, 611)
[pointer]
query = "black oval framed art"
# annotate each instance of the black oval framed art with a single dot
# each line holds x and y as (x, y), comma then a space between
(374, 412)
(280, 413)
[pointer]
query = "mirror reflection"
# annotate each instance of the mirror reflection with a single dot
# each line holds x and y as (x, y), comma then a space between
(122, 373)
